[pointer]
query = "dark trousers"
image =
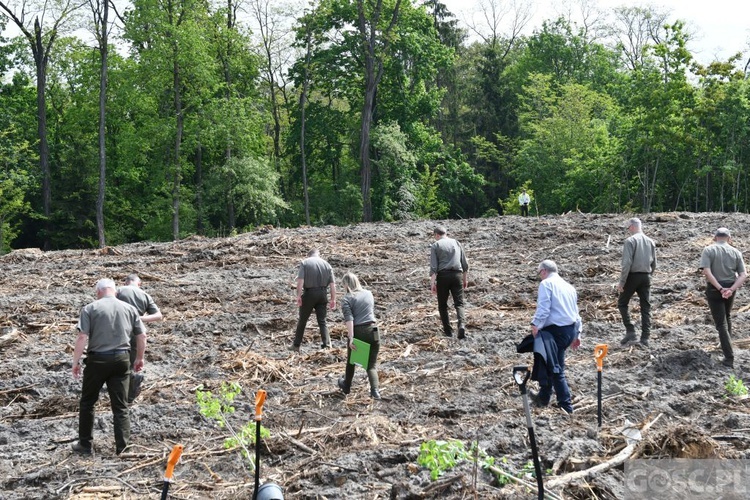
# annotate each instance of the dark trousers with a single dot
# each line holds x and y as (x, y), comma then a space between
(115, 372)
(369, 334)
(564, 336)
(313, 299)
(450, 283)
(720, 311)
(133, 355)
(525, 210)
(636, 283)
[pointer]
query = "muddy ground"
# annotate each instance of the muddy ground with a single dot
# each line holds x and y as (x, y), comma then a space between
(229, 317)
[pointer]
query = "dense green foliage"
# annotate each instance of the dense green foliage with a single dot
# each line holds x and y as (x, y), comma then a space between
(221, 117)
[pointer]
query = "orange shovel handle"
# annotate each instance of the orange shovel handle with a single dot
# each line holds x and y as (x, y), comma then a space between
(174, 457)
(600, 350)
(260, 398)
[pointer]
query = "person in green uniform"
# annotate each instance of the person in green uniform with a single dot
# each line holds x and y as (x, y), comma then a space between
(358, 308)
(448, 275)
(106, 327)
(132, 294)
(314, 278)
(724, 269)
(638, 264)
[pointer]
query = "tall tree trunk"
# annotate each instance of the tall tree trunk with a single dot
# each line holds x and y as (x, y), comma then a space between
(104, 51)
(373, 73)
(41, 57)
(303, 104)
(199, 188)
(177, 177)
(365, 171)
(230, 212)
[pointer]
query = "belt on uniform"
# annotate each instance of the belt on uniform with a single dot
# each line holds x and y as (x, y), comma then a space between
(316, 287)
(371, 323)
(113, 352)
(449, 271)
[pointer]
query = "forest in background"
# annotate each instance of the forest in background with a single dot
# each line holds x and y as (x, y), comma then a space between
(156, 119)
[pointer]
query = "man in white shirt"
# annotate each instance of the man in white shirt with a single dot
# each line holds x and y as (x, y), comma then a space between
(557, 314)
(523, 201)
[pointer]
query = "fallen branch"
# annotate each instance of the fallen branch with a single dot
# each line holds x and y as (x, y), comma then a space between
(616, 460)
(520, 481)
(438, 486)
(299, 444)
(18, 389)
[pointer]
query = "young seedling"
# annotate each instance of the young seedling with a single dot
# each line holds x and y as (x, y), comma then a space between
(735, 386)
(218, 408)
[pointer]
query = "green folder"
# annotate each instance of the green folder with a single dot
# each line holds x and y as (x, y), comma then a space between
(361, 355)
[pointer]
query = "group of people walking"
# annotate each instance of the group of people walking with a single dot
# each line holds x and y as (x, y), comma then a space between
(448, 278)
(113, 331)
(556, 318)
(721, 264)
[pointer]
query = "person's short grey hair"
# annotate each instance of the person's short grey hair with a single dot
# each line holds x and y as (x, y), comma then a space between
(105, 283)
(723, 232)
(548, 265)
(635, 221)
(441, 230)
(133, 279)
(351, 283)
(314, 252)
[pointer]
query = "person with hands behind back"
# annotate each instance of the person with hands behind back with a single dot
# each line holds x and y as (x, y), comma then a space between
(724, 269)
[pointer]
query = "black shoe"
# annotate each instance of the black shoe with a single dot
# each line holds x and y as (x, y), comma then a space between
(325, 346)
(644, 342)
(343, 387)
(536, 400)
(448, 334)
(568, 410)
(120, 450)
(294, 348)
(462, 333)
(136, 384)
(728, 362)
(77, 447)
(629, 337)
(375, 394)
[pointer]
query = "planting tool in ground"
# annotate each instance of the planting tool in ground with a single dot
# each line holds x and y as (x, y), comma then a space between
(600, 350)
(174, 457)
(268, 491)
(521, 375)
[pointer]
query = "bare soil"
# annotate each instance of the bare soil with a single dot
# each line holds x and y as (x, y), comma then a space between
(230, 315)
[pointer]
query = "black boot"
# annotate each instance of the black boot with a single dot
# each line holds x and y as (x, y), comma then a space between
(342, 385)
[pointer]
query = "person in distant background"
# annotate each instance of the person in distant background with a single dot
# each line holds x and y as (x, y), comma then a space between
(523, 201)
(724, 269)
(132, 294)
(314, 277)
(106, 327)
(358, 308)
(638, 264)
(448, 274)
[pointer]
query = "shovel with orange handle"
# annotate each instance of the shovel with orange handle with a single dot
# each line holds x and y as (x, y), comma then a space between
(260, 398)
(174, 457)
(269, 491)
(521, 375)
(600, 350)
